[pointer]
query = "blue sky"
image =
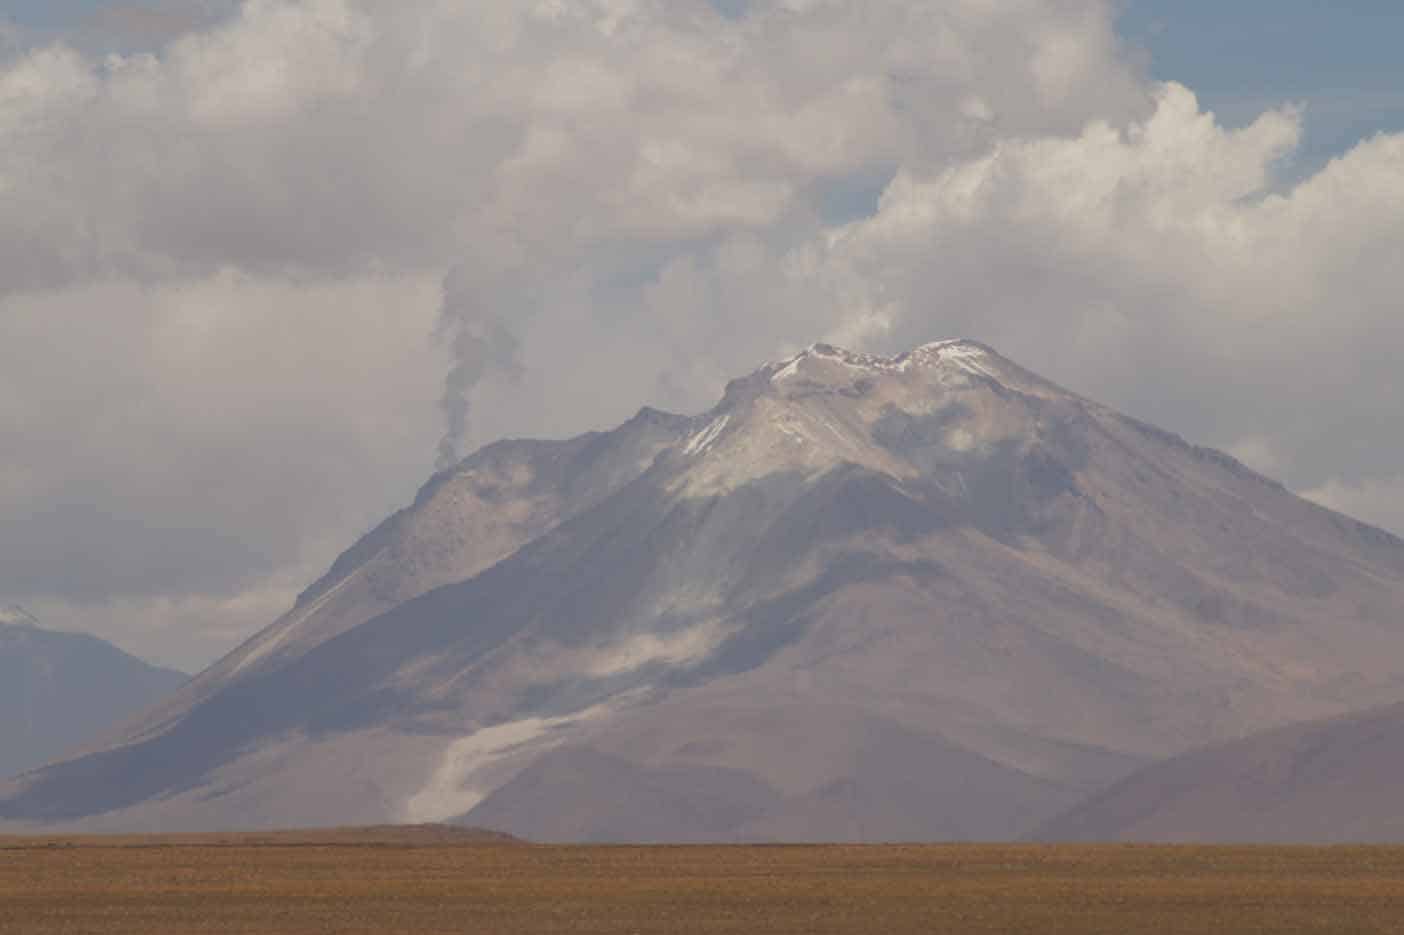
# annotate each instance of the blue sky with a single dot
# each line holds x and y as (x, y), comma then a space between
(82, 21)
(45, 13)
(1339, 58)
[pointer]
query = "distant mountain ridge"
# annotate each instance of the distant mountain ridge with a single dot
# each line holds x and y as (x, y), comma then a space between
(59, 691)
(16, 616)
(1329, 782)
(929, 596)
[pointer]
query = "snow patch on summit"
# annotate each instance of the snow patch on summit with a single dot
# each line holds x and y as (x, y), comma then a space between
(788, 369)
(967, 357)
(702, 440)
(17, 616)
(964, 355)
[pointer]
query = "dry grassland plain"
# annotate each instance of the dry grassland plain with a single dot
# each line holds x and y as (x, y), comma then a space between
(424, 881)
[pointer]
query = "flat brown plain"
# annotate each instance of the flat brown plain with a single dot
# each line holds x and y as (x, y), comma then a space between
(426, 881)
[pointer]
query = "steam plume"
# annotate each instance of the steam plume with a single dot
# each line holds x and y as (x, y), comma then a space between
(479, 343)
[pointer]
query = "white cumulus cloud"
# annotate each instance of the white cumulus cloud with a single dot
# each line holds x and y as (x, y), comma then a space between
(245, 275)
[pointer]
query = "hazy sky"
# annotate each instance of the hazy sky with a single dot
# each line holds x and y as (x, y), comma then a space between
(246, 249)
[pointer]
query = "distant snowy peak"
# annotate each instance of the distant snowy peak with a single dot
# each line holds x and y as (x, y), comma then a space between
(17, 616)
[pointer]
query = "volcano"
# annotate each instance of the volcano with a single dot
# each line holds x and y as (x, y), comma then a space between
(923, 597)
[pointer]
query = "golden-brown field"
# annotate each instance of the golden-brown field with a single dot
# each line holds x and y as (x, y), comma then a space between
(424, 882)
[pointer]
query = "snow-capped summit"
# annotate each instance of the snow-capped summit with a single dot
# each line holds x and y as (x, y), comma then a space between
(16, 616)
(923, 596)
(825, 368)
(932, 414)
(970, 356)
(950, 360)
(60, 690)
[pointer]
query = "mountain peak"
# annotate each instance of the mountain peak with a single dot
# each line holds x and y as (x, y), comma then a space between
(761, 621)
(17, 616)
(821, 359)
(939, 412)
(822, 367)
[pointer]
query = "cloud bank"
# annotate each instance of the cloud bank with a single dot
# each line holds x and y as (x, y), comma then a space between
(255, 283)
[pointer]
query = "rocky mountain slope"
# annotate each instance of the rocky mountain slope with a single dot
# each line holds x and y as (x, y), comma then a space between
(929, 596)
(60, 690)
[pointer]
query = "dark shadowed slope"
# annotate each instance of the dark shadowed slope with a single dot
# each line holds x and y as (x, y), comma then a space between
(61, 690)
(1330, 781)
(931, 595)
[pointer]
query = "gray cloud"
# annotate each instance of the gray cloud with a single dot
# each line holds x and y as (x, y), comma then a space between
(252, 284)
